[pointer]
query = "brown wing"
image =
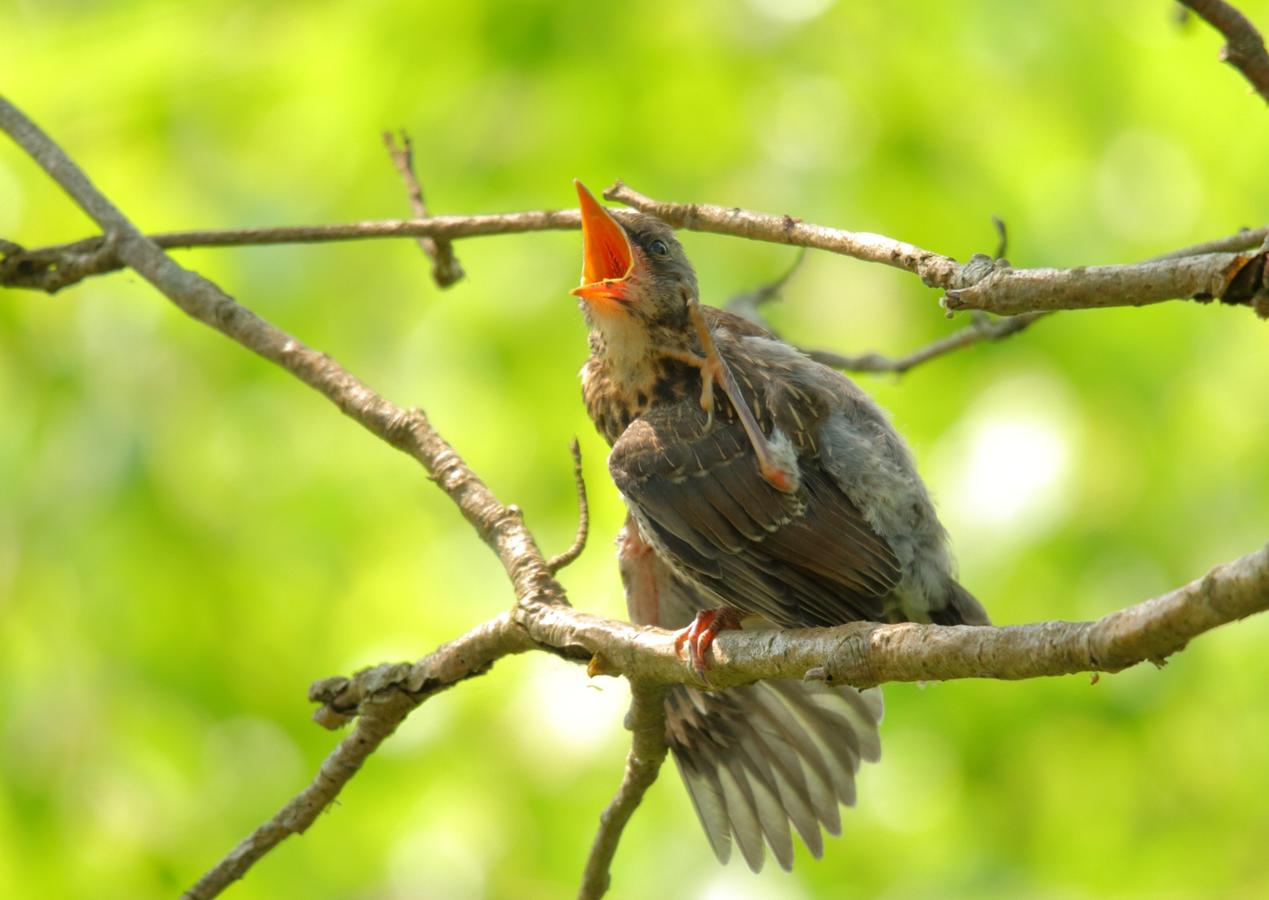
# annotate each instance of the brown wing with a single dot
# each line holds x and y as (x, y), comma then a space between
(800, 559)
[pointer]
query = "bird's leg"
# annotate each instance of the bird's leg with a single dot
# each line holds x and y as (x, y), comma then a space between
(782, 475)
(701, 633)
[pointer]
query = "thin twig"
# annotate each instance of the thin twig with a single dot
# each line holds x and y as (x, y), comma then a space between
(555, 563)
(1002, 235)
(42, 268)
(648, 748)
(1245, 48)
(749, 303)
(1243, 239)
(446, 269)
(978, 331)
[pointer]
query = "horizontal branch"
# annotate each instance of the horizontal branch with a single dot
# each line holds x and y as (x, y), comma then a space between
(58, 266)
(981, 283)
(987, 284)
(865, 654)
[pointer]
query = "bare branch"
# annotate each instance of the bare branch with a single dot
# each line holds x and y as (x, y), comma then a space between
(865, 654)
(981, 329)
(934, 269)
(862, 654)
(58, 266)
(501, 527)
(555, 563)
(648, 748)
(983, 283)
(1245, 49)
(382, 697)
(977, 332)
(446, 269)
(749, 303)
(1244, 239)
(1002, 235)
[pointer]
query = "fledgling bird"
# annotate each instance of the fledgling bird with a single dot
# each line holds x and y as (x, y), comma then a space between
(763, 488)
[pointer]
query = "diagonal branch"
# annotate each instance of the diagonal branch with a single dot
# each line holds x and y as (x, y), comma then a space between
(446, 269)
(501, 527)
(977, 332)
(1245, 50)
(384, 697)
(648, 748)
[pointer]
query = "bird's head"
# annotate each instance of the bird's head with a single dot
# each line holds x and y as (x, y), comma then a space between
(634, 271)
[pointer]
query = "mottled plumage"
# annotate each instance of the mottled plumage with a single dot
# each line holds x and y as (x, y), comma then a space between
(852, 534)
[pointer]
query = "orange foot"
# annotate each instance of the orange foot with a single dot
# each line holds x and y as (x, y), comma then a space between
(701, 633)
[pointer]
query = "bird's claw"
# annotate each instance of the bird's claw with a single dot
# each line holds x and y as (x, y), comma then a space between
(701, 633)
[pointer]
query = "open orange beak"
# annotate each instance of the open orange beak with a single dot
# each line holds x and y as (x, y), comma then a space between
(607, 259)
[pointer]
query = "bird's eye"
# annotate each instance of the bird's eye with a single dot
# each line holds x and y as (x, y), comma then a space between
(658, 248)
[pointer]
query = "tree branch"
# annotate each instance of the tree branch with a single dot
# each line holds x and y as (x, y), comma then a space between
(382, 697)
(976, 332)
(555, 563)
(984, 283)
(648, 748)
(1245, 50)
(446, 269)
(866, 654)
(750, 303)
(862, 654)
(58, 266)
(501, 527)
(981, 283)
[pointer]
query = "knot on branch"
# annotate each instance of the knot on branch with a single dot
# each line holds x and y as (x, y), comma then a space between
(975, 275)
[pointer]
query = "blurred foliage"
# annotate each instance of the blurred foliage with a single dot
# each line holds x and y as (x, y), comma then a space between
(188, 536)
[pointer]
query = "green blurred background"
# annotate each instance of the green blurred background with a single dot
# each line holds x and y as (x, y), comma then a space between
(188, 536)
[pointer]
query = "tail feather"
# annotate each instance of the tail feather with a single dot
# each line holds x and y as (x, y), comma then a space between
(762, 757)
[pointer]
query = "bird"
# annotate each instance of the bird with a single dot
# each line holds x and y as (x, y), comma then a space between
(762, 489)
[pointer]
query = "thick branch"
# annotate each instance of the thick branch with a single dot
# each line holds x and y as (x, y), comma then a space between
(383, 696)
(646, 721)
(865, 654)
(1245, 50)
